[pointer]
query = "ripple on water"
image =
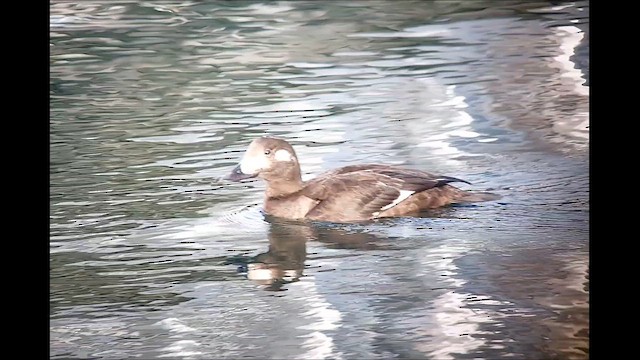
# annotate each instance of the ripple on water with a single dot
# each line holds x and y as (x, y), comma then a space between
(154, 255)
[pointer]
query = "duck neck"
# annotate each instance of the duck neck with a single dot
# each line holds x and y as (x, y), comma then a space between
(284, 185)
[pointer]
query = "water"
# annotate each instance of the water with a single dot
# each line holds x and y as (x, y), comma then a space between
(153, 256)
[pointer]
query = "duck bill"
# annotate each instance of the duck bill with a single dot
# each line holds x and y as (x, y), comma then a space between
(237, 175)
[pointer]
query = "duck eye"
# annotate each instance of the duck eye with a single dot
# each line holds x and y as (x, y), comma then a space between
(267, 152)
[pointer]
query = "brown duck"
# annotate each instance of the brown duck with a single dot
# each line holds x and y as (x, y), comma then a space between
(347, 194)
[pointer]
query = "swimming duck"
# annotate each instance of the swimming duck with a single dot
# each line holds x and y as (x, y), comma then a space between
(347, 194)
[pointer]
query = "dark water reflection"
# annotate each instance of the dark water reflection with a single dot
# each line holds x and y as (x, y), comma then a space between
(153, 256)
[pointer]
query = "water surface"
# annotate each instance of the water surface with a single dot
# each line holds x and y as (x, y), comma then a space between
(153, 256)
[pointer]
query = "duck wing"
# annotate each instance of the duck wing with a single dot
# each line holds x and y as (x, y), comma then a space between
(360, 192)
(411, 175)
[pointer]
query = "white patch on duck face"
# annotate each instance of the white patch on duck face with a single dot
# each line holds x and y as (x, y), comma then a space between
(283, 155)
(403, 195)
(252, 164)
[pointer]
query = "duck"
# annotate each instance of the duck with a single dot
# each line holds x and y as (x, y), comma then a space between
(353, 193)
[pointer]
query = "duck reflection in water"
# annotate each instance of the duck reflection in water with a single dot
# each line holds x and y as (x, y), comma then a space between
(284, 261)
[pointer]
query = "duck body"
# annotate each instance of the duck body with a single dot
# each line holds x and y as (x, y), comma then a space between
(347, 194)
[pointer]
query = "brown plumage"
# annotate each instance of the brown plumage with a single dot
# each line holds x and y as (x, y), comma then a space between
(351, 193)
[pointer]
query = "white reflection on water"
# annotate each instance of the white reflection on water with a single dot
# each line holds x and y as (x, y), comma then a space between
(452, 327)
(318, 344)
(164, 113)
(571, 37)
(179, 348)
(578, 125)
(182, 349)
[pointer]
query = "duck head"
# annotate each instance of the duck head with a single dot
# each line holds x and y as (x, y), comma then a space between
(271, 159)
